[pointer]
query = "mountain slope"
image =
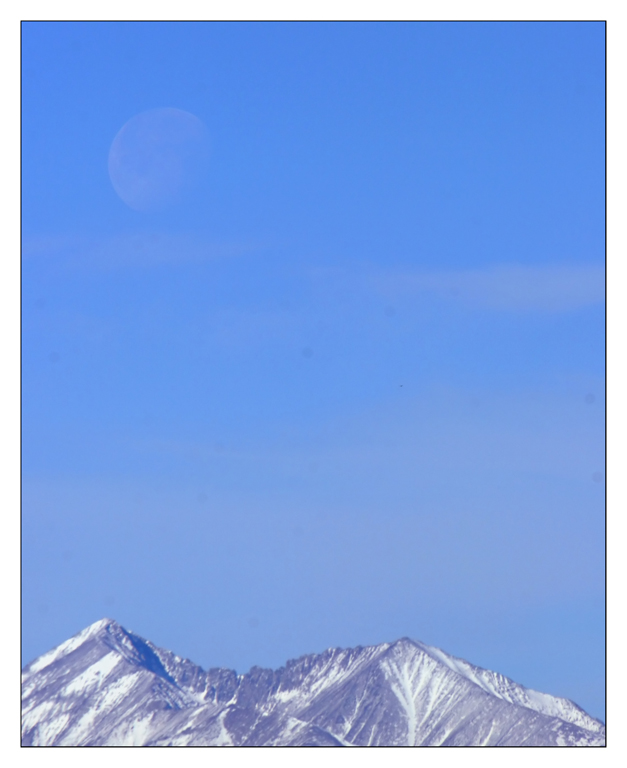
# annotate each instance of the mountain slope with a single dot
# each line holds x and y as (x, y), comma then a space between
(108, 686)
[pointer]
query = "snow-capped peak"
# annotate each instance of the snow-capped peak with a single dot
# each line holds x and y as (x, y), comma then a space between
(107, 685)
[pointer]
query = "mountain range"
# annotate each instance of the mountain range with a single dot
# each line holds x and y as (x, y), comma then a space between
(107, 686)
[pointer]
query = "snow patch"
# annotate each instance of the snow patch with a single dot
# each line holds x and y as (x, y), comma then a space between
(224, 738)
(94, 675)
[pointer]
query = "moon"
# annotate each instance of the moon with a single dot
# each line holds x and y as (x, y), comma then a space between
(158, 157)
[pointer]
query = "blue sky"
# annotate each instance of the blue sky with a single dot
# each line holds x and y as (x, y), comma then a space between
(353, 388)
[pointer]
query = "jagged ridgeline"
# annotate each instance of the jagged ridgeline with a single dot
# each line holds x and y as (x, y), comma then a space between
(107, 686)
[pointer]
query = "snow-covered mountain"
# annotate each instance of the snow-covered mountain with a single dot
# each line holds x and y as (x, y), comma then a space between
(107, 686)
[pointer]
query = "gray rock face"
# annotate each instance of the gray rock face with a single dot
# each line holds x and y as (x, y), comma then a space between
(107, 686)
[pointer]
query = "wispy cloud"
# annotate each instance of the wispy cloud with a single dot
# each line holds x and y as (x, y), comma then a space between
(134, 249)
(505, 287)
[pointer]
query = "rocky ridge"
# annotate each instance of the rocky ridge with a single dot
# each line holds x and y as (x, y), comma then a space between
(108, 686)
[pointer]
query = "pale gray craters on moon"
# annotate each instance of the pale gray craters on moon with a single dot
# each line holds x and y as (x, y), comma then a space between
(158, 157)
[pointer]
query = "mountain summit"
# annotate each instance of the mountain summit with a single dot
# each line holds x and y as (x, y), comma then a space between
(107, 686)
